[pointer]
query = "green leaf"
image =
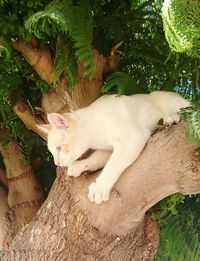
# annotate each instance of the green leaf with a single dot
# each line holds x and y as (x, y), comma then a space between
(42, 85)
(181, 20)
(179, 239)
(5, 48)
(65, 62)
(120, 83)
(192, 116)
(74, 21)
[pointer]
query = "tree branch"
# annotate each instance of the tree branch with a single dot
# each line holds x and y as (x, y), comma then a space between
(39, 58)
(19, 173)
(84, 92)
(29, 120)
(82, 229)
(166, 166)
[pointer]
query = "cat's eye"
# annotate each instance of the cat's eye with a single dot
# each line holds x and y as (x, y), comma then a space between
(58, 148)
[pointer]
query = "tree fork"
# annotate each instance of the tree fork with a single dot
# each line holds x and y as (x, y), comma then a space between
(69, 227)
(28, 118)
(84, 92)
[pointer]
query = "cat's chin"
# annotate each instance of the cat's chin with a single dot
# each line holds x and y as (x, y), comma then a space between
(65, 163)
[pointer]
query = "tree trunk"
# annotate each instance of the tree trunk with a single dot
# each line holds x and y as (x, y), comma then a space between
(69, 227)
(3, 210)
(24, 196)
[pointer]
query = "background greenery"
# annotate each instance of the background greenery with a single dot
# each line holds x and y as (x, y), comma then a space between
(148, 62)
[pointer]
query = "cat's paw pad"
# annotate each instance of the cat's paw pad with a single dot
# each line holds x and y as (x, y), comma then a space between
(76, 168)
(174, 118)
(98, 193)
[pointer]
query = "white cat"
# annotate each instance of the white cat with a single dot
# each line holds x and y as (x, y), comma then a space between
(116, 127)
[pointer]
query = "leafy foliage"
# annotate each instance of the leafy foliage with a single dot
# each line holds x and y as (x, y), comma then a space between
(14, 74)
(192, 116)
(65, 62)
(71, 19)
(120, 83)
(5, 48)
(70, 29)
(177, 242)
(146, 55)
(167, 207)
(181, 21)
(14, 13)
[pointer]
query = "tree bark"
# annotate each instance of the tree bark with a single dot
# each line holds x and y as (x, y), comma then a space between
(3, 210)
(24, 196)
(69, 227)
(84, 92)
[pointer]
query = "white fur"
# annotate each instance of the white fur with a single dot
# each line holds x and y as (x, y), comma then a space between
(117, 127)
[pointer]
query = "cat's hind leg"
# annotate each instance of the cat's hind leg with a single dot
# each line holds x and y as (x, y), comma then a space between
(95, 161)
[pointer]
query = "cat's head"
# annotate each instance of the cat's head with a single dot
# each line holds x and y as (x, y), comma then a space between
(63, 138)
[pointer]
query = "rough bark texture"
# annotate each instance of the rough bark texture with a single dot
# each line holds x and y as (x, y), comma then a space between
(28, 118)
(84, 92)
(39, 58)
(3, 210)
(69, 227)
(24, 193)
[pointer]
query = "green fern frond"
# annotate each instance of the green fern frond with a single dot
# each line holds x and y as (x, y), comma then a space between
(178, 216)
(65, 62)
(71, 71)
(192, 116)
(165, 207)
(5, 48)
(73, 20)
(120, 83)
(178, 243)
(63, 48)
(82, 29)
(42, 85)
(181, 20)
(51, 20)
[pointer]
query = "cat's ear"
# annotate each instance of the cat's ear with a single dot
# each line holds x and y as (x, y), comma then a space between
(45, 128)
(57, 120)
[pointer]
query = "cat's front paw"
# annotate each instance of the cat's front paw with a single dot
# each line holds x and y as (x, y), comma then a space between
(170, 119)
(76, 168)
(98, 193)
